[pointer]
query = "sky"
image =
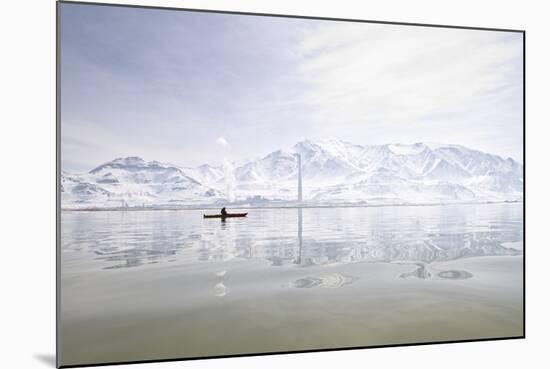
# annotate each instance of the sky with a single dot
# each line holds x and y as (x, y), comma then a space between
(190, 88)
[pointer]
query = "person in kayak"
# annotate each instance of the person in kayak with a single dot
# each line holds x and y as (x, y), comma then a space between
(224, 212)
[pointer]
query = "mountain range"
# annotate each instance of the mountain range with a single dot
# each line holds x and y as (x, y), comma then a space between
(334, 172)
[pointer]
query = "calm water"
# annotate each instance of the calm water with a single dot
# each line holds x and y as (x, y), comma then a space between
(309, 277)
(293, 236)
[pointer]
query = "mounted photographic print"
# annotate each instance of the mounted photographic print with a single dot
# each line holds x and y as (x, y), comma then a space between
(240, 184)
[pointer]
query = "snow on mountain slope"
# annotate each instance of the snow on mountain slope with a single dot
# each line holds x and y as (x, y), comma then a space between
(133, 182)
(334, 172)
(279, 165)
(205, 174)
(328, 159)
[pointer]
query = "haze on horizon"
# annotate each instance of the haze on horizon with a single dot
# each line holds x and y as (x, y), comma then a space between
(191, 88)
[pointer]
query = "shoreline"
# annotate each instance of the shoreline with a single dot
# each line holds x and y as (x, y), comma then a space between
(304, 206)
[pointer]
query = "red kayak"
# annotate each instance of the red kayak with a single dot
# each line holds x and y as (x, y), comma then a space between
(232, 215)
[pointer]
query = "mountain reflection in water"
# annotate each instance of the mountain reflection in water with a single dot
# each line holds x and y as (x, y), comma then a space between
(299, 237)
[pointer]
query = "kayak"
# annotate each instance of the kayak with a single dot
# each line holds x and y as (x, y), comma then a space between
(231, 215)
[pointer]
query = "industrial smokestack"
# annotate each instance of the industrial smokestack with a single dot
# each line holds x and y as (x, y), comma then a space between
(299, 177)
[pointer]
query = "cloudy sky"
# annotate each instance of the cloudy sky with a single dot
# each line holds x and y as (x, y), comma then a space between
(190, 88)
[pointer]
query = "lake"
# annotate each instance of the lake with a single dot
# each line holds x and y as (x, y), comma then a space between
(145, 285)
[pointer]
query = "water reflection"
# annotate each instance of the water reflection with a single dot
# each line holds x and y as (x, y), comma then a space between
(423, 271)
(420, 272)
(221, 289)
(299, 237)
(455, 274)
(334, 280)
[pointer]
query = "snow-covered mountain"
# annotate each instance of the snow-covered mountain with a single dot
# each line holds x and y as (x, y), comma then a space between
(334, 172)
(206, 174)
(134, 182)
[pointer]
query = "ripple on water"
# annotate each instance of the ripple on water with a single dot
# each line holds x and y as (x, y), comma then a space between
(334, 280)
(421, 272)
(455, 274)
(221, 289)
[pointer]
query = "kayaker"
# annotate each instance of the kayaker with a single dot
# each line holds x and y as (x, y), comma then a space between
(224, 212)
